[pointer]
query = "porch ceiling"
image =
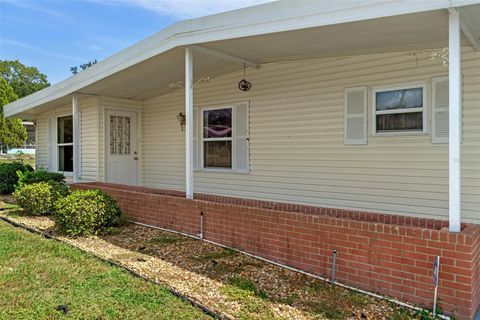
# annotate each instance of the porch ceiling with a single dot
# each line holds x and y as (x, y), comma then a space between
(151, 77)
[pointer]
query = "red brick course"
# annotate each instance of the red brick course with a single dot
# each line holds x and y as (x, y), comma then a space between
(388, 254)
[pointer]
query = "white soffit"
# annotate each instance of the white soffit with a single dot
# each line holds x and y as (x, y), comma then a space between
(268, 18)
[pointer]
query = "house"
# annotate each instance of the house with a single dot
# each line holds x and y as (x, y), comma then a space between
(356, 129)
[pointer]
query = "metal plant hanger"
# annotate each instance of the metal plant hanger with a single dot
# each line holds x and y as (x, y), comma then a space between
(244, 85)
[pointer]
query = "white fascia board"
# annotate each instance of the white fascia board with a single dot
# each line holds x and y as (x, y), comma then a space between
(262, 19)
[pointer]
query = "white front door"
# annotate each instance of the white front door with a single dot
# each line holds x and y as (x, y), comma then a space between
(122, 160)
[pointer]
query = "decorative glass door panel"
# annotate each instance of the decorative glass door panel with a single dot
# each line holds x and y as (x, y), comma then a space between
(120, 135)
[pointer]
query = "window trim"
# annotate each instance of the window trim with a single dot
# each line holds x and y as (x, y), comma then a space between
(57, 145)
(202, 139)
(423, 109)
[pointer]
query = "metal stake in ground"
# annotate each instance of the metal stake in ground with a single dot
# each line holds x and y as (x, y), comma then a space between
(201, 225)
(436, 266)
(334, 266)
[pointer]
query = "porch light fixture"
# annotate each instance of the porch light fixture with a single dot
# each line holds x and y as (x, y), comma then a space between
(181, 119)
(244, 85)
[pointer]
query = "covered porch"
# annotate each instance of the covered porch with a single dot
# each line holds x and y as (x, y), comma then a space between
(428, 45)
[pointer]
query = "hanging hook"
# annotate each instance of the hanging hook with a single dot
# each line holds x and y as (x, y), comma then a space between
(244, 85)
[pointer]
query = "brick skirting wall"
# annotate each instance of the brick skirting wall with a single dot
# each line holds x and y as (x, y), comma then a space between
(387, 254)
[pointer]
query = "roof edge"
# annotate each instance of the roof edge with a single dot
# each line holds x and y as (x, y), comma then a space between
(269, 18)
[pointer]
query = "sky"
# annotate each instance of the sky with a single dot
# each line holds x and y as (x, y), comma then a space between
(54, 35)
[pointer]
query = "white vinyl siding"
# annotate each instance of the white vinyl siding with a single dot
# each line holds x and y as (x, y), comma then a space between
(297, 151)
(45, 148)
(89, 138)
(296, 145)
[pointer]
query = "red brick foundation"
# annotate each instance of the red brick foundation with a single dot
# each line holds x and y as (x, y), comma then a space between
(387, 254)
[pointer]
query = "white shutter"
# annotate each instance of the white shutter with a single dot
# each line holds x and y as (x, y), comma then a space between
(440, 110)
(241, 143)
(51, 142)
(355, 131)
(196, 132)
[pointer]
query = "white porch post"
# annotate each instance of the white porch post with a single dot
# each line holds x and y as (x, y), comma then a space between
(76, 140)
(455, 121)
(189, 122)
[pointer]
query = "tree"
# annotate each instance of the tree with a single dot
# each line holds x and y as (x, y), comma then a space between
(24, 80)
(17, 81)
(84, 66)
(12, 131)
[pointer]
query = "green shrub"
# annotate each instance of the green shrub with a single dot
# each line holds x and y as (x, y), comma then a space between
(41, 175)
(86, 212)
(40, 198)
(9, 177)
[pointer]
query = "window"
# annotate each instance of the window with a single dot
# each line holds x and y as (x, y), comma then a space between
(119, 135)
(217, 138)
(65, 143)
(399, 110)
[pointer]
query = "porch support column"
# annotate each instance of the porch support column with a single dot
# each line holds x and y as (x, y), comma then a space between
(189, 122)
(76, 139)
(455, 120)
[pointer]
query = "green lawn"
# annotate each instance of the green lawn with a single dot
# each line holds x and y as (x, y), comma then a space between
(25, 158)
(37, 275)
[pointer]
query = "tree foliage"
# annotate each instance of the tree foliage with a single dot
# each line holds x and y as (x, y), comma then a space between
(82, 67)
(12, 132)
(24, 80)
(17, 81)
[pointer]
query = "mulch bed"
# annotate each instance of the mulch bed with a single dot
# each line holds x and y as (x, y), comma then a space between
(228, 282)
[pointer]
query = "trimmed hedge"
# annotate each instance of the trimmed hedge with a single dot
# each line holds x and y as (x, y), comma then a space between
(41, 175)
(86, 212)
(40, 198)
(9, 177)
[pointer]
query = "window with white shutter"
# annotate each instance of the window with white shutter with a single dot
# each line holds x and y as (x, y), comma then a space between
(440, 110)
(355, 131)
(223, 138)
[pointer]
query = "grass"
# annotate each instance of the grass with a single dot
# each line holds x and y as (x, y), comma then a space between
(25, 158)
(37, 275)
(247, 285)
(254, 302)
(7, 206)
